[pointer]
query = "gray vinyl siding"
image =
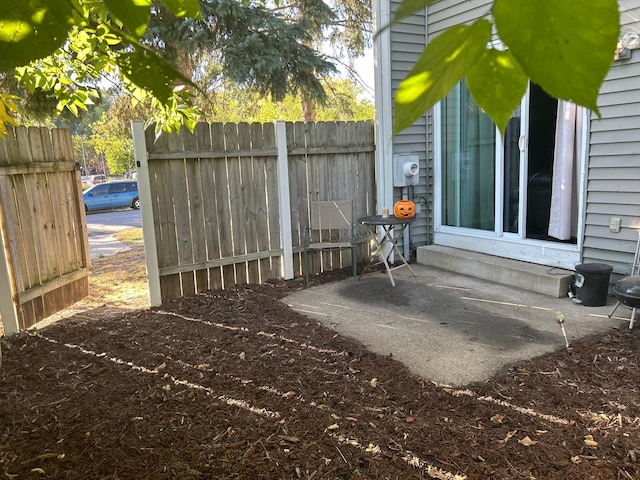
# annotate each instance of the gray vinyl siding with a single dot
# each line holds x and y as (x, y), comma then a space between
(408, 39)
(613, 174)
(447, 13)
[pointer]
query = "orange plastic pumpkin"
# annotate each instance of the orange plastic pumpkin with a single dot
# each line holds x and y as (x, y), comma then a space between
(404, 209)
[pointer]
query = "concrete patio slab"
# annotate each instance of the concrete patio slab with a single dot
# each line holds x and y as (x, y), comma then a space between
(447, 327)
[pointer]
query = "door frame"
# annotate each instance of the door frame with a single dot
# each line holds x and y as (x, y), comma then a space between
(503, 244)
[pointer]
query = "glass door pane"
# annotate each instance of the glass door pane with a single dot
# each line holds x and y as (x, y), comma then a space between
(468, 163)
(511, 199)
(543, 111)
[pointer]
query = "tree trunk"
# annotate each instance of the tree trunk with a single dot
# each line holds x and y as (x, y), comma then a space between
(308, 109)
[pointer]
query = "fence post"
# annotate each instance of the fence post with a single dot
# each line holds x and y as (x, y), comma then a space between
(8, 295)
(146, 210)
(284, 201)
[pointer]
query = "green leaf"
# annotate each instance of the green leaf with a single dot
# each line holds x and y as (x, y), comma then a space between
(31, 29)
(408, 7)
(566, 47)
(442, 64)
(183, 8)
(497, 84)
(134, 14)
(150, 72)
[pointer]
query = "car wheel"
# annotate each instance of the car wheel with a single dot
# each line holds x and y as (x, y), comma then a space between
(136, 203)
(86, 210)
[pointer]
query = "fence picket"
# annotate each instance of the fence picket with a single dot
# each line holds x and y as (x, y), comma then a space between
(166, 237)
(223, 198)
(365, 183)
(234, 274)
(221, 195)
(209, 216)
(196, 214)
(182, 212)
(250, 242)
(260, 241)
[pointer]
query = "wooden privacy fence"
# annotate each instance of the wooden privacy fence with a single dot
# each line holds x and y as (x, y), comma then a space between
(227, 204)
(44, 263)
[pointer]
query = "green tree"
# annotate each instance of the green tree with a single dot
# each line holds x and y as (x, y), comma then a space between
(91, 162)
(565, 47)
(117, 149)
(68, 47)
(111, 134)
(210, 57)
(346, 102)
(233, 104)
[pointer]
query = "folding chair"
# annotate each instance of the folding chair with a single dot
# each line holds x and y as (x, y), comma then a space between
(627, 290)
(331, 228)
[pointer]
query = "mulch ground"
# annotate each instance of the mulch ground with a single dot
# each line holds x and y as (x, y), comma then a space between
(235, 385)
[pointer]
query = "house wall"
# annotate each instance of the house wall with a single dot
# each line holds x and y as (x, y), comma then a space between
(613, 175)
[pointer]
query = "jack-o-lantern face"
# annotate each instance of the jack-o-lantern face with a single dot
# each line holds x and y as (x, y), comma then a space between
(404, 209)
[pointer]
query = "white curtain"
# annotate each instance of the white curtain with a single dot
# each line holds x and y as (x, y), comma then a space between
(563, 219)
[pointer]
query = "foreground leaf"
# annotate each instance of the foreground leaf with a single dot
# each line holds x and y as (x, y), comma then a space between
(134, 14)
(408, 7)
(183, 8)
(442, 64)
(7, 111)
(497, 84)
(31, 29)
(565, 47)
(145, 68)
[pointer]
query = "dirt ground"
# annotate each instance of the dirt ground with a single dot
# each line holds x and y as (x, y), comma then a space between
(235, 385)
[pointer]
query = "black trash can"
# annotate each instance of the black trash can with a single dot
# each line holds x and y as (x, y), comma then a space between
(592, 283)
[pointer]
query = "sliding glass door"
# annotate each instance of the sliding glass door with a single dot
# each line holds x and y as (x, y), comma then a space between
(493, 192)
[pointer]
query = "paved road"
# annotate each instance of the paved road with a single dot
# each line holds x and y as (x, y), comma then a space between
(101, 227)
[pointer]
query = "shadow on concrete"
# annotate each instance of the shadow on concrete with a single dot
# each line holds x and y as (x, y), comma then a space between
(450, 328)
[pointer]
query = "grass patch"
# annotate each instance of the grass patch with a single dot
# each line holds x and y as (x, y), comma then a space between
(119, 280)
(130, 235)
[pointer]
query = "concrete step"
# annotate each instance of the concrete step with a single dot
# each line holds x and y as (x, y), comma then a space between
(550, 281)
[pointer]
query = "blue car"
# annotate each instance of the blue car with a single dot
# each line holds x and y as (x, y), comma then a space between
(107, 196)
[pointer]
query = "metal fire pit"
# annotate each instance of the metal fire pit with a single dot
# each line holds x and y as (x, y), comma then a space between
(627, 291)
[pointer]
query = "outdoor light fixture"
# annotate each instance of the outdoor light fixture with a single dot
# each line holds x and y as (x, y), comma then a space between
(629, 41)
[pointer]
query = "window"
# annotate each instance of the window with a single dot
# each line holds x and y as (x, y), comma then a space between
(101, 189)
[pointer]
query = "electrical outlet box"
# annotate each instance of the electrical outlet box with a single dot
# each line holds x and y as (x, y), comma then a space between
(614, 224)
(406, 170)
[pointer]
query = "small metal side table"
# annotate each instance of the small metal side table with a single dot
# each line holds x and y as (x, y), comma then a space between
(387, 225)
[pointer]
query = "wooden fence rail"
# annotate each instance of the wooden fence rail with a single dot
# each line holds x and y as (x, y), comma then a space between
(44, 259)
(227, 204)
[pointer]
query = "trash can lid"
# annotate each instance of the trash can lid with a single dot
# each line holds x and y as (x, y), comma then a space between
(594, 268)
